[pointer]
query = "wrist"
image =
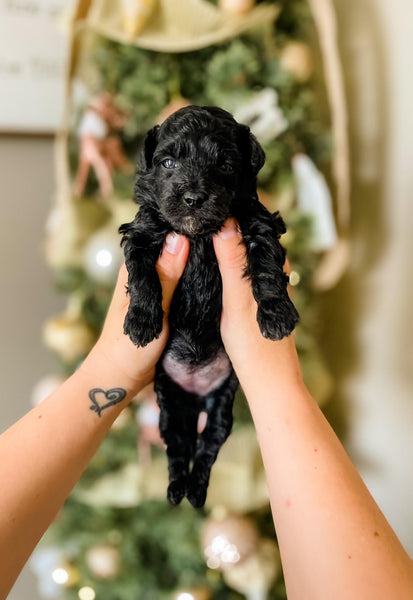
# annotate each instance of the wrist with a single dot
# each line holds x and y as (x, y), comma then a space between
(263, 364)
(107, 372)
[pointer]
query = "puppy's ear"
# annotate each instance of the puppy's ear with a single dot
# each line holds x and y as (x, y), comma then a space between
(251, 149)
(149, 145)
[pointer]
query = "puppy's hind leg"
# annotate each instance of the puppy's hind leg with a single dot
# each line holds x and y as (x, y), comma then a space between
(219, 409)
(178, 427)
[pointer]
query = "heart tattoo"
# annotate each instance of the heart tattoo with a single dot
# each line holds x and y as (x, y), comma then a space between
(114, 396)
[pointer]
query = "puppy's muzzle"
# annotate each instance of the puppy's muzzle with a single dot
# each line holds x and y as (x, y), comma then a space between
(194, 199)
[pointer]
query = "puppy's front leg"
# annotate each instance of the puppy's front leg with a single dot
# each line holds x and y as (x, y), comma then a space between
(143, 241)
(276, 314)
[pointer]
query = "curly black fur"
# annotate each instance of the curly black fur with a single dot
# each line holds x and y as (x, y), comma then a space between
(196, 169)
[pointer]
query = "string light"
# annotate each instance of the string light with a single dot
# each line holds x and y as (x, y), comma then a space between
(294, 278)
(104, 258)
(86, 593)
(60, 576)
(221, 552)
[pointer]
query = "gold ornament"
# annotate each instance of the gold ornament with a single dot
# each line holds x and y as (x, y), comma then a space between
(68, 334)
(256, 574)
(236, 7)
(228, 540)
(297, 59)
(103, 561)
(135, 15)
(192, 594)
(173, 106)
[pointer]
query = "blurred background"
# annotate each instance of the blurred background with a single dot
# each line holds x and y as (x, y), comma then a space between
(362, 331)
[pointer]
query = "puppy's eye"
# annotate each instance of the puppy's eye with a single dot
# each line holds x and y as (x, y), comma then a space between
(169, 163)
(226, 168)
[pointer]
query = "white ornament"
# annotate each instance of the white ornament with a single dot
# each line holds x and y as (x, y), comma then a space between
(263, 115)
(103, 561)
(44, 387)
(103, 256)
(148, 414)
(314, 199)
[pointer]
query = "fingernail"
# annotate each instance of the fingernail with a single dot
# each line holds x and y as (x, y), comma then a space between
(173, 243)
(228, 230)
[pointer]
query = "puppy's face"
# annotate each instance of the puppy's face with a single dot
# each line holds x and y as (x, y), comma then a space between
(195, 166)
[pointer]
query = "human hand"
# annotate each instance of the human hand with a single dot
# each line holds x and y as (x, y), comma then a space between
(247, 348)
(114, 351)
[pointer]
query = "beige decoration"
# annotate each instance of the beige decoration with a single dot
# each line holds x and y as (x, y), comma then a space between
(334, 262)
(256, 574)
(314, 200)
(68, 335)
(177, 26)
(135, 15)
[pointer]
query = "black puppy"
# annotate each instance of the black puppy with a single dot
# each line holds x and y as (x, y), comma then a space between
(196, 169)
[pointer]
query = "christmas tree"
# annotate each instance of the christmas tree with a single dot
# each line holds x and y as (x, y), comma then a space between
(116, 537)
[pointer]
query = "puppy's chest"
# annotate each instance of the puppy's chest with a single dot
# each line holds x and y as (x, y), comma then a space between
(195, 358)
(197, 302)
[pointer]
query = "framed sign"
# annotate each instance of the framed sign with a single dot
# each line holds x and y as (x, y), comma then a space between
(33, 54)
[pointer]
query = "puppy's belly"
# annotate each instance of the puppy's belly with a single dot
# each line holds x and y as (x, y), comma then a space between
(198, 379)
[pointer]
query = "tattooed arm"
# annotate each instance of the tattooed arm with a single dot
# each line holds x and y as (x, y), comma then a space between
(43, 455)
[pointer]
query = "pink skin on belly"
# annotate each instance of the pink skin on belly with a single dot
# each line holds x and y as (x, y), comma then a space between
(201, 379)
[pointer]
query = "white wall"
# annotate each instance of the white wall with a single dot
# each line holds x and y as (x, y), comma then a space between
(377, 46)
(26, 291)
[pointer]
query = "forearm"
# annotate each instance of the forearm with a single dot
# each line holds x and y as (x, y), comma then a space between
(334, 541)
(43, 455)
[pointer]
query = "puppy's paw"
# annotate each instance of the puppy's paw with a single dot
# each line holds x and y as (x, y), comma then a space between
(177, 489)
(197, 491)
(141, 326)
(277, 318)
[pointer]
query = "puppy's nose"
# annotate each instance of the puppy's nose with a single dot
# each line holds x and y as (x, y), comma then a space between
(194, 199)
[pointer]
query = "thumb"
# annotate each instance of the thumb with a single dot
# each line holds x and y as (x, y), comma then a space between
(232, 261)
(171, 265)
